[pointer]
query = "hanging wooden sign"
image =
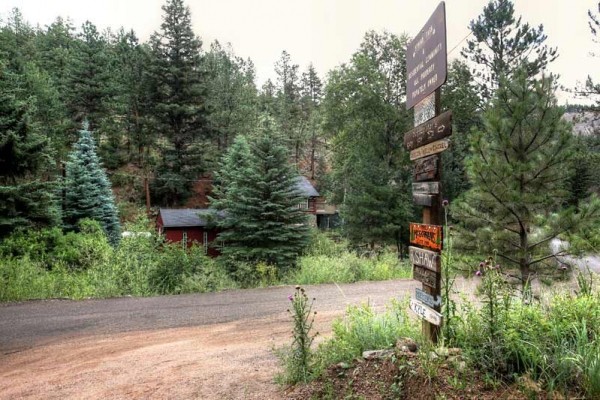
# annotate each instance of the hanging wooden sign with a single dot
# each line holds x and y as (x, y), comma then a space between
(424, 258)
(435, 129)
(429, 236)
(425, 200)
(426, 188)
(430, 149)
(426, 169)
(431, 301)
(425, 276)
(426, 313)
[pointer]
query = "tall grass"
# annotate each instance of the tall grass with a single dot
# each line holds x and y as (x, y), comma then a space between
(363, 329)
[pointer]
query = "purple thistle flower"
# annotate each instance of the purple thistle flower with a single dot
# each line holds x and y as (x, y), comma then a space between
(445, 203)
(290, 298)
(481, 264)
(478, 273)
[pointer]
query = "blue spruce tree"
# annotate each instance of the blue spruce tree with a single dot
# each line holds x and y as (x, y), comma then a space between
(88, 190)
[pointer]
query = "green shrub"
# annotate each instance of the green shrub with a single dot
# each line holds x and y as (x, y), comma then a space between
(362, 329)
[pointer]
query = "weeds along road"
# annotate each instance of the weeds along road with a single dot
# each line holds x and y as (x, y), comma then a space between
(201, 346)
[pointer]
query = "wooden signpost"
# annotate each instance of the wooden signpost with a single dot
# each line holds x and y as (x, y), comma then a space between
(426, 66)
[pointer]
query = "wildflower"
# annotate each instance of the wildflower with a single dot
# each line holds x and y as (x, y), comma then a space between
(478, 273)
(481, 264)
(290, 298)
(445, 203)
(497, 266)
(297, 287)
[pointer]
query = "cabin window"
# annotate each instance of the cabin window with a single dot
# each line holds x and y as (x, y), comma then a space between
(205, 242)
(184, 239)
(303, 205)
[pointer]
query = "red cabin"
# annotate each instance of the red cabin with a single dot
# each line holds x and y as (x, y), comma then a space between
(189, 226)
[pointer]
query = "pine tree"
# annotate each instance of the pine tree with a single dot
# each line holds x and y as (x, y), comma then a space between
(26, 190)
(501, 45)
(179, 102)
(519, 170)
(262, 220)
(88, 190)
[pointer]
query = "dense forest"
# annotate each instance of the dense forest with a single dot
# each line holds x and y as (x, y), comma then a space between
(155, 118)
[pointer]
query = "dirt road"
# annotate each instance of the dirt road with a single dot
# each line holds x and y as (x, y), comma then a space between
(206, 346)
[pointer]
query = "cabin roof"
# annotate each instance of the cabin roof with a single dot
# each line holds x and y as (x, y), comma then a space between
(305, 187)
(187, 217)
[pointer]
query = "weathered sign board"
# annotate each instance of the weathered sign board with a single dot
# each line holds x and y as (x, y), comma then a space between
(425, 200)
(426, 313)
(426, 169)
(426, 188)
(430, 149)
(424, 258)
(424, 110)
(426, 276)
(429, 236)
(430, 131)
(426, 298)
(426, 59)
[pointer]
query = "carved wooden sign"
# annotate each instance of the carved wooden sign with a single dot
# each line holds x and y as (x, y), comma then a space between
(425, 276)
(429, 149)
(429, 236)
(423, 199)
(424, 258)
(426, 313)
(435, 129)
(426, 58)
(431, 301)
(426, 169)
(426, 188)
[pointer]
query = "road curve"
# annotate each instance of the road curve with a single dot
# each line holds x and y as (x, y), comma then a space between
(32, 323)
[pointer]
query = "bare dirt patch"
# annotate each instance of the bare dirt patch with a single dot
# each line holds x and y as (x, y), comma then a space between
(221, 361)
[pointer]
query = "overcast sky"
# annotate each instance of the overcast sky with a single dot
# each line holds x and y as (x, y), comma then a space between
(327, 32)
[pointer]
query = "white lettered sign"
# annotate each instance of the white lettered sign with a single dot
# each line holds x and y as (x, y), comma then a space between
(426, 313)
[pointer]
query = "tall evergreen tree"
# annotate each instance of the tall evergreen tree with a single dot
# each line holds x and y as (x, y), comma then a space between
(365, 114)
(179, 91)
(26, 190)
(502, 44)
(262, 220)
(231, 94)
(88, 190)
(519, 170)
(311, 91)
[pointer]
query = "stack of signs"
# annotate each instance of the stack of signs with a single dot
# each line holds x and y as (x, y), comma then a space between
(426, 63)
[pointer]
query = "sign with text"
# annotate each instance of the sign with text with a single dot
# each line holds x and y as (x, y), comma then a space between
(426, 59)
(435, 129)
(426, 188)
(424, 258)
(426, 276)
(424, 110)
(425, 200)
(426, 169)
(426, 313)
(431, 301)
(429, 236)
(429, 149)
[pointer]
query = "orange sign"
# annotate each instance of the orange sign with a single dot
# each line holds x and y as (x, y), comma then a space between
(430, 236)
